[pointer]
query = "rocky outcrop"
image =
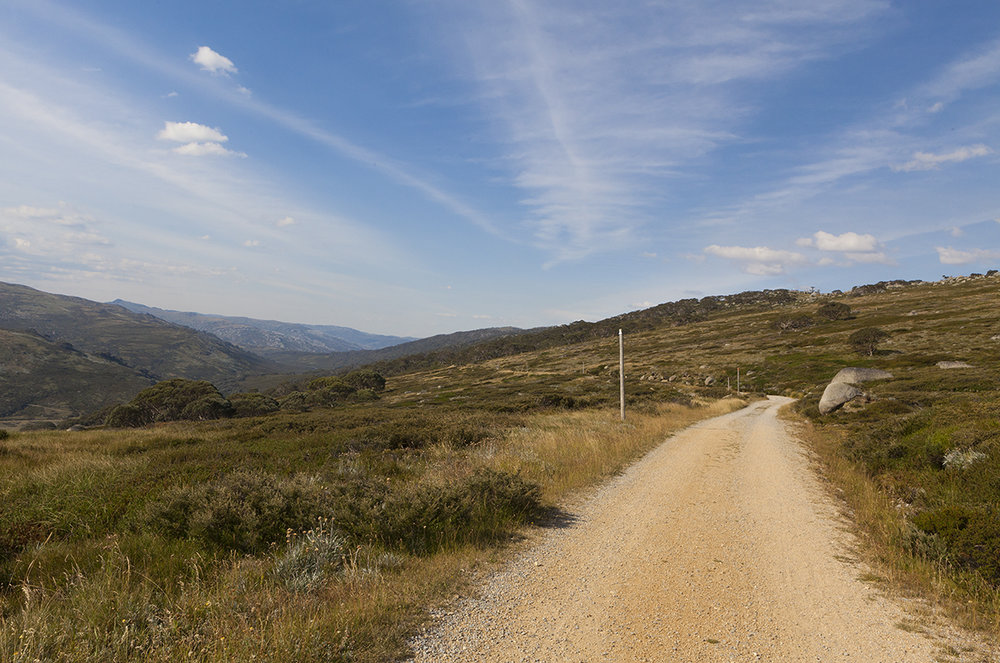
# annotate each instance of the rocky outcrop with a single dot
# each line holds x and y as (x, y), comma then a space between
(953, 364)
(836, 394)
(856, 375)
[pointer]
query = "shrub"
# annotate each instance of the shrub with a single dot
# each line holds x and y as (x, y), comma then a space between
(970, 537)
(794, 323)
(4, 434)
(242, 511)
(253, 405)
(366, 379)
(482, 508)
(171, 400)
(834, 311)
(309, 556)
(865, 341)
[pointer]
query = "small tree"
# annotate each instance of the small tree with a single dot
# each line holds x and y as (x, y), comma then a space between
(834, 311)
(866, 340)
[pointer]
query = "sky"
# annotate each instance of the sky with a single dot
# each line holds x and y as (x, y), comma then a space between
(415, 167)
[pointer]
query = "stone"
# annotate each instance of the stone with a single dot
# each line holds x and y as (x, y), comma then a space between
(709, 381)
(857, 374)
(953, 364)
(836, 394)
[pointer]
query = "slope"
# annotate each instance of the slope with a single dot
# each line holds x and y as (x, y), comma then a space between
(267, 336)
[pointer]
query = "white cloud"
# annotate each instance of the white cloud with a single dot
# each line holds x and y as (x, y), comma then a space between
(251, 243)
(285, 222)
(203, 149)
(936, 108)
(849, 241)
(212, 61)
(29, 212)
(931, 161)
(190, 132)
(171, 95)
(758, 260)
(951, 256)
(957, 232)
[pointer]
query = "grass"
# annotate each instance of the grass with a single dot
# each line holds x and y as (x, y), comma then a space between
(320, 536)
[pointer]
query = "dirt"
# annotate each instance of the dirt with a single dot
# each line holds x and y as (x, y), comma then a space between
(720, 545)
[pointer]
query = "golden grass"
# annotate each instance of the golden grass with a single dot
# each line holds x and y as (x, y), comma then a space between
(235, 609)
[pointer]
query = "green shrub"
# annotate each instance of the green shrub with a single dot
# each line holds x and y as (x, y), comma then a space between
(253, 405)
(242, 511)
(333, 385)
(969, 536)
(4, 434)
(365, 379)
(834, 311)
(482, 508)
(171, 400)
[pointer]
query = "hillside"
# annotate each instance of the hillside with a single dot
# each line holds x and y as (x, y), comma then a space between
(80, 353)
(270, 336)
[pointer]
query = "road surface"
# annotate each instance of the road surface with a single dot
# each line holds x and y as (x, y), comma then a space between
(719, 545)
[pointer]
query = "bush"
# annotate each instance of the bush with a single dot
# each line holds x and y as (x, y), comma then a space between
(969, 536)
(253, 405)
(242, 511)
(4, 434)
(794, 323)
(366, 379)
(834, 311)
(171, 400)
(482, 508)
(310, 556)
(865, 341)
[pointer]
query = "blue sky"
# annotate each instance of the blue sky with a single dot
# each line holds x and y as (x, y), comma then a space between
(417, 167)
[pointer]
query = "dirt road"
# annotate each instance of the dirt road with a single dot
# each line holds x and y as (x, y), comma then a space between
(720, 545)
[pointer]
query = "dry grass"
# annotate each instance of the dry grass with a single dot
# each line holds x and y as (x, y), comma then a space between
(96, 588)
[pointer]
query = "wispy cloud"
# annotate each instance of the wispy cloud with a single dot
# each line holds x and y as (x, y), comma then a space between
(952, 256)
(931, 161)
(604, 110)
(190, 132)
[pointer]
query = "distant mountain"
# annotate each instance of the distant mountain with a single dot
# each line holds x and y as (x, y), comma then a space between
(338, 361)
(270, 336)
(67, 354)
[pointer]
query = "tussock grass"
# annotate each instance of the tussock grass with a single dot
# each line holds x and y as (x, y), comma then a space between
(318, 536)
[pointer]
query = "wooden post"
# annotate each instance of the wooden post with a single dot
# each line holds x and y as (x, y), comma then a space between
(621, 370)
(737, 380)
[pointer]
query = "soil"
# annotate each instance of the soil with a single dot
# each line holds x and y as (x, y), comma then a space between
(720, 545)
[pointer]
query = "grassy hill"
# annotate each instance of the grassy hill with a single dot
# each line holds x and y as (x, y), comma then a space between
(328, 534)
(81, 353)
(269, 336)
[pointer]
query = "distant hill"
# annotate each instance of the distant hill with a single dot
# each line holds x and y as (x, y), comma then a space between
(67, 354)
(339, 361)
(270, 336)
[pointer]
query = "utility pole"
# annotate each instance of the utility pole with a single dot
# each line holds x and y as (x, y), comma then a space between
(621, 370)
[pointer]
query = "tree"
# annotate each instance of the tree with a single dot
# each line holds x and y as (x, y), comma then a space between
(365, 379)
(866, 340)
(834, 311)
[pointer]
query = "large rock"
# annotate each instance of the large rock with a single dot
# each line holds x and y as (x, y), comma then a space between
(857, 374)
(836, 394)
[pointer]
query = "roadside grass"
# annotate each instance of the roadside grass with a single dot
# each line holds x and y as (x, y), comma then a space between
(900, 557)
(320, 536)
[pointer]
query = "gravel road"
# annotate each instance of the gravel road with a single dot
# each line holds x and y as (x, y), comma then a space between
(720, 545)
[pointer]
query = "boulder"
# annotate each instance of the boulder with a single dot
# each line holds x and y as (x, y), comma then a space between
(857, 374)
(953, 364)
(836, 394)
(709, 381)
